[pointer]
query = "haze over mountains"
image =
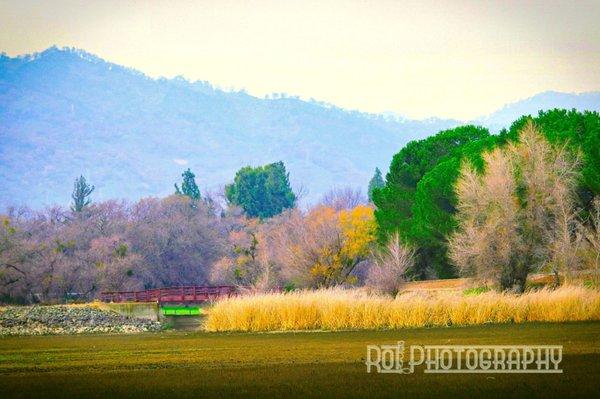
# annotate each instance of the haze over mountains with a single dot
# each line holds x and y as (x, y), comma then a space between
(530, 106)
(65, 112)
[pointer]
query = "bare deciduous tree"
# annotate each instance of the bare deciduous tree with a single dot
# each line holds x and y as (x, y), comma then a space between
(517, 216)
(343, 198)
(390, 265)
(52, 255)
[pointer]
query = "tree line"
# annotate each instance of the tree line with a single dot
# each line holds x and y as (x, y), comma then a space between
(461, 203)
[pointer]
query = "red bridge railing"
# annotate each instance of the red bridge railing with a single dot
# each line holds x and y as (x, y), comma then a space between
(171, 294)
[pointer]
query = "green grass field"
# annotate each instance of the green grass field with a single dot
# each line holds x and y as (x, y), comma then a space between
(307, 364)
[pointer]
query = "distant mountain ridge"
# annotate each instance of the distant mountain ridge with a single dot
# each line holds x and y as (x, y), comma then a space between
(65, 112)
(530, 106)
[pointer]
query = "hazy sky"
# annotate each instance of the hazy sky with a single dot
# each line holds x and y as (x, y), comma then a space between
(456, 59)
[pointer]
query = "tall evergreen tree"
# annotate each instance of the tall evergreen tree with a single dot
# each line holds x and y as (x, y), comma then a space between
(81, 192)
(188, 186)
(400, 202)
(375, 183)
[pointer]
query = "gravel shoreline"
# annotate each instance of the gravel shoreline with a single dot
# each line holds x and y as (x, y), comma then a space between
(65, 319)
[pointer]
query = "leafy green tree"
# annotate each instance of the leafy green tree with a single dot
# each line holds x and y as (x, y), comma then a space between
(263, 191)
(434, 207)
(81, 193)
(424, 226)
(375, 183)
(188, 186)
(396, 199)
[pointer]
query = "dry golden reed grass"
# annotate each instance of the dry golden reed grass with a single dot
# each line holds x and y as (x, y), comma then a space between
(338, 309)
(452, 284)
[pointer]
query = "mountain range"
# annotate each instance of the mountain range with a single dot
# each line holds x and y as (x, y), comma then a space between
(65, 112)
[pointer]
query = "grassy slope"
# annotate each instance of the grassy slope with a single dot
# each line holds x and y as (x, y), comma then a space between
(182, 365)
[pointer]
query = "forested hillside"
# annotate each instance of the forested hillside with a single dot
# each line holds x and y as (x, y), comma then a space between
(66, 112)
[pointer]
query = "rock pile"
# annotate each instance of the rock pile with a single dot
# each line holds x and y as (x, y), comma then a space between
(64, 319)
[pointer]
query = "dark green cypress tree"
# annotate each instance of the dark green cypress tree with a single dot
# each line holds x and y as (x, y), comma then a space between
(81, 192)
(375, 183)
(188, 186)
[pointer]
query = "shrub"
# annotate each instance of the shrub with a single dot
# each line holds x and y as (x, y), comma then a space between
(390, 266)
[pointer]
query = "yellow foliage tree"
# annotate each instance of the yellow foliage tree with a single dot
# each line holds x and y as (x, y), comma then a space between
(358, 231)
(318, 249)
(342, 251)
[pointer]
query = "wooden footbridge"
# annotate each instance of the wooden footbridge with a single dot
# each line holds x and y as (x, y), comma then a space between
(182, 295)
